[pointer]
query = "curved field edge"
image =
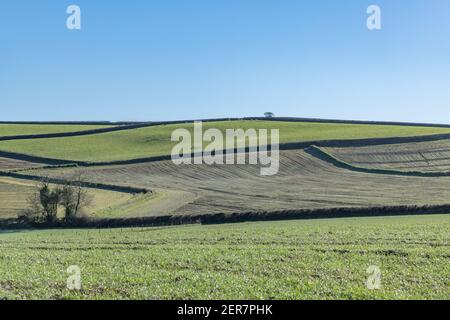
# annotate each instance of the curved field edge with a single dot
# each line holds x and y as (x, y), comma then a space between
(147, 144)
(431, 156)
(55, 162)
(326, 156)
(112, 126)
(324, 259)
(86, 184)
(219, 218)
(15, 194)
(14, 131)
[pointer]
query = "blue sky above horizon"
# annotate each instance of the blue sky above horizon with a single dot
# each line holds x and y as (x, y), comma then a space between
(178, 59)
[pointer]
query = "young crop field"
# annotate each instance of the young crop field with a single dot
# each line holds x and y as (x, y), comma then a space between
(433, 156)
(7, 130)
(318, 259)
(156, 141)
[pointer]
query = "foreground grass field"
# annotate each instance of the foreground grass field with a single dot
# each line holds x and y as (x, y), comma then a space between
(155, 141)
(25, 129)
(314, 259)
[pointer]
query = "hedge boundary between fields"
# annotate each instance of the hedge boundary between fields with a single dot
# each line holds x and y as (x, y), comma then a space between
(338, 143)
(122, 126)
(72, 133)
(328, 157)
(289, 119)
(115, 126)
(222, 218)
(85, 184)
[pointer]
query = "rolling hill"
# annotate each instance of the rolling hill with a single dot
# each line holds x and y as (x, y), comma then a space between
(14, 129)
(155, 140)
(310, 258)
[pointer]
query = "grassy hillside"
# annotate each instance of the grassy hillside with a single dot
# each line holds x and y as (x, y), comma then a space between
(26, 129)
(155, 141)
(274, 260)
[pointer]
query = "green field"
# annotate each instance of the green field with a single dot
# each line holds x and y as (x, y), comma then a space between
(155, 141)
(314, 259)
(26, 129)
(303, 259)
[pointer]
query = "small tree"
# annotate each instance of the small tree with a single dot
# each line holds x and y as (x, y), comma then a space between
(67, 201)
(43, 204)
(49, 200)
(74, 197)
(269, 114)
(35, 212)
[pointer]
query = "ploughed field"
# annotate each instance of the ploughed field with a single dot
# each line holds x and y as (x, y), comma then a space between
(432, 156)
(315, 259)
(13, 197)
(303, 182)
(156, 141)
(7, 164)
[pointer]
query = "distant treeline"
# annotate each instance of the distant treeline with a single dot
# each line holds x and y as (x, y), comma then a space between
(219, 218)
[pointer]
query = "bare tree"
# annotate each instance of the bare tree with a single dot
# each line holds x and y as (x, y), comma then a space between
(34, 212)
(74, 197)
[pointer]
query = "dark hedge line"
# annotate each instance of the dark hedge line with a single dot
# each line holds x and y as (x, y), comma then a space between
(289, 119)
(120, 126)
(35, 159)
(102, 186)
(325, 156)
(384, 123)
(73, 133)
(237, 217)
(96, 123)
(282, 146)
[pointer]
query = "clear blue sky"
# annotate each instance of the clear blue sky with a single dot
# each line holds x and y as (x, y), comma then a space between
(187, 59)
